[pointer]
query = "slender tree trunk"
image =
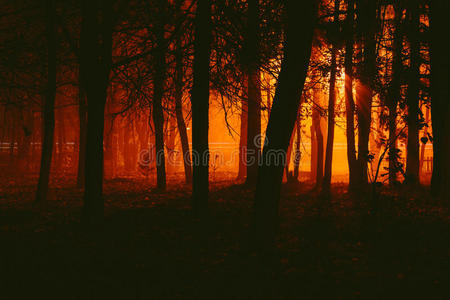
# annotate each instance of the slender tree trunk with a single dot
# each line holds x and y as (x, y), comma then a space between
(287, 175)
(254, 93)
(49, 106)
(171, 134)
(297, 154)
(242, 172)
(318, 136)
(440, 93)
(331, 117)
(200, 108)
(394, 96)
(179, 115)
(326, 183)
(95, 66)
(82, 115)
(367, 25)
(349, 100)
(424, 145)
(159, 75)
(297, 51)
(412, 155)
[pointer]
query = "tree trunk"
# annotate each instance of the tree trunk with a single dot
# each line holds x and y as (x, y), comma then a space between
(254, 93)
(440, 93)
(82, 114)
(49, 106)
(95, 66)
(297, 154)
(412, 155)
(287, 175)
(364, 93)
(200, 107)
(318, 136)
(179, 115)
(159, 76)
(242, 172)
(394, 96)
(424, 145)
(326, 183)
(297, 51)
(349, 100)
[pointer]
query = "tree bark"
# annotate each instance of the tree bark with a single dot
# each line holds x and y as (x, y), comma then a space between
(242, 172)
(95, 66)
(440, 93)
(49, 105)
(254, 93)
(297, 51)
(297, 154)
(82, 115)
(349, 99)
(159, 75)
(412, 155)
(394, 96)
(318, 136)
(200, 107)
(326, 183)
(179, 115)
(364, 92)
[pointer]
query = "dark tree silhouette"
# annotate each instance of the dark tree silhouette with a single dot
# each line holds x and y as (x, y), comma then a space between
(367, 21)
(179, 114)
(49, 105)
(326, 183)
(95, 66)
(252, 61)
(412, 97)
(297, 51)
(440, 106)
(159, 75)
(200, 107)
(349, 99)
(394, 94)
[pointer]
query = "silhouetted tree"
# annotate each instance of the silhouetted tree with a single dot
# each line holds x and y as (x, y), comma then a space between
(440, 106)
(159, 75)
(297, 51)
(349, 98)
(331, 103)
(367, 21)
(49, 105)
(252, 65)
(95, 66)
(200, 107)
(412, 97)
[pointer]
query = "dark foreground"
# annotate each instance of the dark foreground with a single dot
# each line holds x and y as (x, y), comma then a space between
(150, 247)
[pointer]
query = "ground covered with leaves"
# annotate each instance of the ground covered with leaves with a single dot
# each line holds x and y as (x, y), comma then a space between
(151, 247)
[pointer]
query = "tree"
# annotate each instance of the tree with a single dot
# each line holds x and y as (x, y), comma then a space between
(349, 99)
(331, 105)
(412, 98)
(252, 42)
(200, 107)
(179, 114)
(364, 89)
(49, 105)
(440, 106)
(393, 96)
(159, 74)
(297, 51)
(95, 66)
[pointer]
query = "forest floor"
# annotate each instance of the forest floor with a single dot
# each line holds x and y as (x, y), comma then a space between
(150, 246)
